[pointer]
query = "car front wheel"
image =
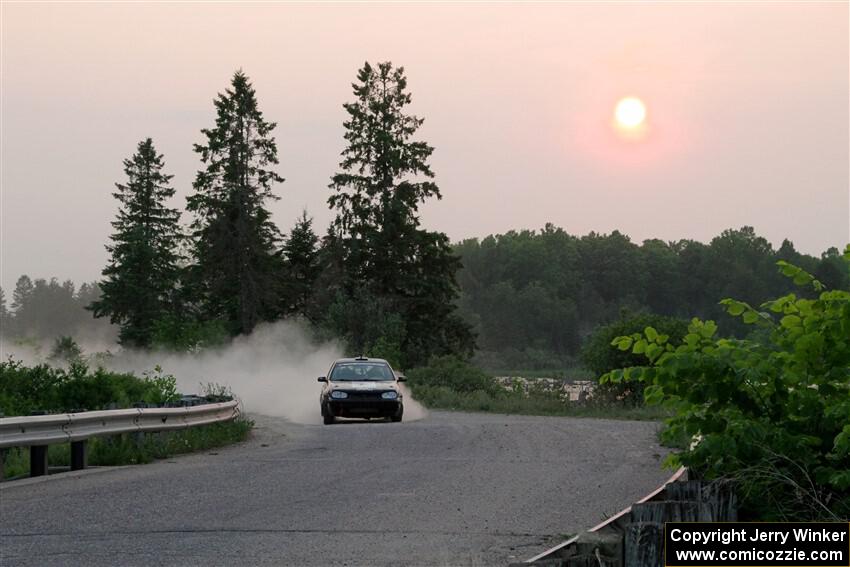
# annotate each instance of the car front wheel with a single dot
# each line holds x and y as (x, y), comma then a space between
(327, 416)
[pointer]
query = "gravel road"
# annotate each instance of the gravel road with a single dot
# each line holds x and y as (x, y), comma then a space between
(450, 489)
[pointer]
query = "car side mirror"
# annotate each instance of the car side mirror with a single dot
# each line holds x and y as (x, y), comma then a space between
(323, 378)
(402, 378)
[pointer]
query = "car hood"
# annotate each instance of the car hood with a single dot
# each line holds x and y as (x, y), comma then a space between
(365, 386)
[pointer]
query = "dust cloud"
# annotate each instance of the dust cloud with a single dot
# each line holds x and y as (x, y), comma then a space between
(272, 371)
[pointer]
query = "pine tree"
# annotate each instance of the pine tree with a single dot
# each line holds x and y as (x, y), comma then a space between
(237, 267)
(142, 270)
(331, 283)
(5, 315)
(301, 255)
(384, 178)
(22, 293)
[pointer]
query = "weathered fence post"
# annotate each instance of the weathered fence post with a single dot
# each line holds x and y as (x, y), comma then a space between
(691, 501)
(597, 550)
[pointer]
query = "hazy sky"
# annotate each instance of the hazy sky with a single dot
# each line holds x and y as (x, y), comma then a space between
(747, 113)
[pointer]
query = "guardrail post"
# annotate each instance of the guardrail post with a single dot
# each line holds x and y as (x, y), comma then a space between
(2, 463)
(38, 460)
(79, 455)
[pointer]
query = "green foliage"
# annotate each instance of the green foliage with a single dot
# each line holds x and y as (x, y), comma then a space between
(66, 349)
(541, 292)
(187, 334)
(772, 411)
(24, 390)
(388, 346)
(600, 356)
(162, 387)
(237, 266)
(142, 269)
(453, 373)
(381, 249)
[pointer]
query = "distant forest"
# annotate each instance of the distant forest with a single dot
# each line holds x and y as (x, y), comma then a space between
(47, 309)
(374, 279)
(531, 297)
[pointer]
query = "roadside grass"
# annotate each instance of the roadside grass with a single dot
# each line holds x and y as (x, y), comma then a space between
(130, 449)
(444, 398)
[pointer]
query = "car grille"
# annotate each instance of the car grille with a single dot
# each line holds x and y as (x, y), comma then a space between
(364, 396)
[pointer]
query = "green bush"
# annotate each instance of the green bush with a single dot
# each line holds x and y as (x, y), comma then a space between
(24, 390)
(599, 356)
(162, 387)
(772, 411)
(454, 373)
(66, 349)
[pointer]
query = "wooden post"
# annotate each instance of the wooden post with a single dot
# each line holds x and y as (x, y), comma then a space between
(691, 501)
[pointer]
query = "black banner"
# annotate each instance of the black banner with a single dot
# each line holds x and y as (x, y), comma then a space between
(756, 544)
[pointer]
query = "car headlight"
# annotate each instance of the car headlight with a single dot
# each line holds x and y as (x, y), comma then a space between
(390, 395)
(338, 395)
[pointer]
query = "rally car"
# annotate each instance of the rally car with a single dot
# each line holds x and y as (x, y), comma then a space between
(361, 387)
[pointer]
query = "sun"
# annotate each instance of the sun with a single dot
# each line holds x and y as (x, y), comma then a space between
(630, 113)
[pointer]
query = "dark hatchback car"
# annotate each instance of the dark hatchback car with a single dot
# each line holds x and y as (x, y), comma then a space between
(361, 387)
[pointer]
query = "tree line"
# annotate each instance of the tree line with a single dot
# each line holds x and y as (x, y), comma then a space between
(533, 297)
(48, 308)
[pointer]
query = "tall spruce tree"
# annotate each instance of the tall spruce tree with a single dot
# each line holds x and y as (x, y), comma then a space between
(143, 267)
(5, 315)
(237, 267)
(384, 178)
(22, 293)
(301, 254)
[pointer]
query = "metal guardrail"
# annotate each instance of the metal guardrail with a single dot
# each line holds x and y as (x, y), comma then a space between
(39, 431)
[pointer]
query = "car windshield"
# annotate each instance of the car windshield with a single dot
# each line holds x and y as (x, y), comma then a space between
(361, 371)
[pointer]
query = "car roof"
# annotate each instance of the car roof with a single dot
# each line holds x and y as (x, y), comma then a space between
(361, 359)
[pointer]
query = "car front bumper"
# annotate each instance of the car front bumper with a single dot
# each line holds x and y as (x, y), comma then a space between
(364, 408)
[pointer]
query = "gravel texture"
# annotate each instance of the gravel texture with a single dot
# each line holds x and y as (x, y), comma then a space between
(450, 489)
